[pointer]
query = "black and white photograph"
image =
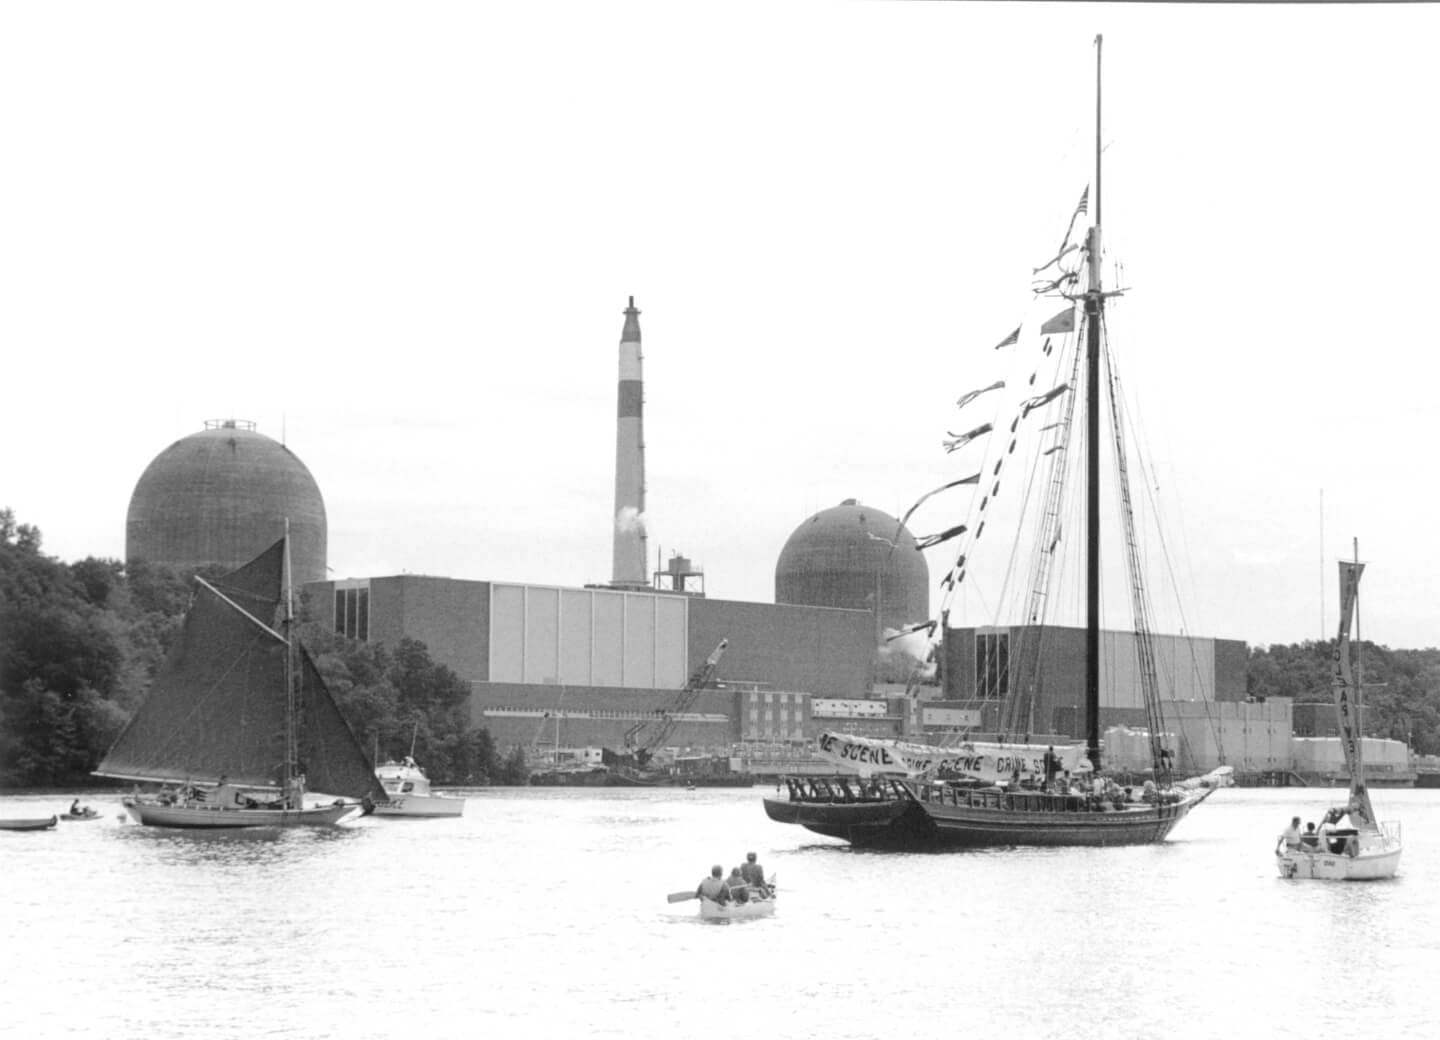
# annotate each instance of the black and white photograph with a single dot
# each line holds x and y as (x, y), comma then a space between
(769, 519)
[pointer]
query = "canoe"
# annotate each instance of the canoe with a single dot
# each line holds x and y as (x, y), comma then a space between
(713, 911)
(34, 823)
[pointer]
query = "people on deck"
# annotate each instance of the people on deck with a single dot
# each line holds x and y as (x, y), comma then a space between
(1290, 836)
(1052, 764)
(1311, 838)
(75, 809)
(714, 887)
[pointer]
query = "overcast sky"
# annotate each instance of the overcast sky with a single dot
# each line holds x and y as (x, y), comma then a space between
(402, 236)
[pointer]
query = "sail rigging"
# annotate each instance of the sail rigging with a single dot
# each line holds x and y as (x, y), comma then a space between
(224, 703)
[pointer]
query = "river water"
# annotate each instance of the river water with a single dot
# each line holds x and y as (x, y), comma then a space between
(543, 912)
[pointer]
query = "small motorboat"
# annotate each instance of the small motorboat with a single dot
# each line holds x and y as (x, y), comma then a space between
(409, 793)
(34, 823)
(86, 813)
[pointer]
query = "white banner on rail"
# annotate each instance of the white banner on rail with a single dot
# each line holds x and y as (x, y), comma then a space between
(982, 760)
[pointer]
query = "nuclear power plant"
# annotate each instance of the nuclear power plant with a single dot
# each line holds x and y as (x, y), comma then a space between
(576, 668)
(856, 558)
(221, 497)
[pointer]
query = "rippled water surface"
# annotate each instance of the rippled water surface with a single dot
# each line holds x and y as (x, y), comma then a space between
(544, 911)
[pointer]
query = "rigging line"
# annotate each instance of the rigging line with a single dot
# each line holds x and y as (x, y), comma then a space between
(1025, 656)
(1152, 497)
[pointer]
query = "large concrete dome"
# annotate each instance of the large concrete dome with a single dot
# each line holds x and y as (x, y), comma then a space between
(839, 556)
(222, 496)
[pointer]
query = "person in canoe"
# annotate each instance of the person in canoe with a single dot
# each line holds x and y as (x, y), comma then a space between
(754, 875)
(739, 890)
(714, 887)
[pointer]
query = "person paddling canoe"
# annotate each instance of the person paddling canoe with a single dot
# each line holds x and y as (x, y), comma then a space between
(714, 887)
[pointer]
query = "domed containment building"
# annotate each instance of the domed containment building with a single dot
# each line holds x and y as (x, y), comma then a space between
(222, 496)
(841, 557)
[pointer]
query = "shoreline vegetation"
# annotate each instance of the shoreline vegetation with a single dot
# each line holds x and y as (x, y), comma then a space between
(80, 644)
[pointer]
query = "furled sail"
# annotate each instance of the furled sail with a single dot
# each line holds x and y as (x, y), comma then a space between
(1347, 695)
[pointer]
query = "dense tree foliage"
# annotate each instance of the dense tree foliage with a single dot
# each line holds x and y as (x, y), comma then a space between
(1402, 687)
(80, 645)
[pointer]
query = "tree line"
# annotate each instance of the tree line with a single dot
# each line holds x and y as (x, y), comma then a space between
(80, 644)
(1402, 687)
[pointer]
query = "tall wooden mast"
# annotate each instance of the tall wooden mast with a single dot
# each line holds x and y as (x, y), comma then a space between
(287, 629)
(1094, 313)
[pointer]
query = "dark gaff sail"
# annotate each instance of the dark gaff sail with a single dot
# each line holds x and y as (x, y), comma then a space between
(219, 704)
(331, 759)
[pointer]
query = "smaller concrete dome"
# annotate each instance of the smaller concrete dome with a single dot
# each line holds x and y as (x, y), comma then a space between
(842, 556)
(222, 496)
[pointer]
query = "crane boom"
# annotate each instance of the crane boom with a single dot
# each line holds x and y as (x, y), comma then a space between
(666, 719)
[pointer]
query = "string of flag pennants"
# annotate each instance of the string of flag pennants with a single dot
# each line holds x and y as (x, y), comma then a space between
(1062, 322)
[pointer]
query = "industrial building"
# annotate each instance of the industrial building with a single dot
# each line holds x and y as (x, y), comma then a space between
(222, 496)
(586, 666)
(581, 666)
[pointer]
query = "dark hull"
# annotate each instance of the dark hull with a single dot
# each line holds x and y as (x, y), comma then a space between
(572, 778)
(935, 816)
(717, 780)
(890, 824)
(979, 828)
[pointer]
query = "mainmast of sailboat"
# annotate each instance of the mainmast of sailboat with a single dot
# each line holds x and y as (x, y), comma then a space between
(292, 752)
(1094, 310)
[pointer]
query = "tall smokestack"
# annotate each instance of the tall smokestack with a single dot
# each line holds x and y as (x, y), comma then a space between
(630, 557)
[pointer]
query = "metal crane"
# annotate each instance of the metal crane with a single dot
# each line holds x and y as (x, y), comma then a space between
(666, 719)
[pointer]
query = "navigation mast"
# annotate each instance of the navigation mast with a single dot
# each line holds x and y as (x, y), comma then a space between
(1094, 313)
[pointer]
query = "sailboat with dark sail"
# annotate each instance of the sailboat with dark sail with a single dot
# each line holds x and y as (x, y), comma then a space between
(1367, 850)
(1014, 792)
(239, 727)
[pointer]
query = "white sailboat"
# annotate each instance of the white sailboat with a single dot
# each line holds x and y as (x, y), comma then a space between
(239, 727)
(1366, 850)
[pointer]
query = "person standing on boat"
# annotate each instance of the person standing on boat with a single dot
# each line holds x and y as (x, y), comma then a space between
(714, 887)
(1052, 765)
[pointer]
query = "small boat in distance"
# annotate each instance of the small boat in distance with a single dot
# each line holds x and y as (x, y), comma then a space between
(32, 823)
(754, 901)
(1366, 850)
(748, 910)
(239, 727)
(408, 793)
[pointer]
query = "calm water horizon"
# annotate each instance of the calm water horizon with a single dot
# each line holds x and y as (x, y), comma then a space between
(545, 910)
